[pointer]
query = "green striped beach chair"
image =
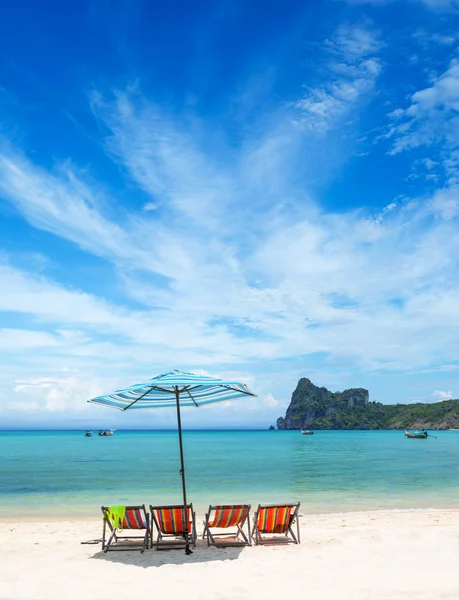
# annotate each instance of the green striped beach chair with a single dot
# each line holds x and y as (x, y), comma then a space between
(273, 523)
(227, 516)
(124, 534)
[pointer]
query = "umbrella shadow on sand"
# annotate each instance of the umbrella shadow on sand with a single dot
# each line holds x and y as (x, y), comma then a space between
(157, 558)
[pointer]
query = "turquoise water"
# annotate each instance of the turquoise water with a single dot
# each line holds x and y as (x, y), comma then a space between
(64, 473)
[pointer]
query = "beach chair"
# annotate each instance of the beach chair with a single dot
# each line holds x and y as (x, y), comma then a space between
(225, 516)
(136, 519)
(169, 522)
(273, 523)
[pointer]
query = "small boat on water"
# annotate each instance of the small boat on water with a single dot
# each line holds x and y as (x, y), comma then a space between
(307, 432)
(419, 434)
(88, 433)
(106, 432)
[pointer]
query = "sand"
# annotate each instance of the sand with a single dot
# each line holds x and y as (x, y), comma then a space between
(404, 555)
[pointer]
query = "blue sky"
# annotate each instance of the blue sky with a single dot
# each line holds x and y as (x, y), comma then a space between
(260, 191)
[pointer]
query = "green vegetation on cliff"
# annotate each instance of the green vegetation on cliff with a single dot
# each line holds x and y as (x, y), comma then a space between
(318, 408)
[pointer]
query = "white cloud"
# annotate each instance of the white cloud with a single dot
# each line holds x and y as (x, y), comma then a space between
(21, 406)
(54, 394)
(271, 401)
(426, 38)
(431, 124)
(63, 204)
(20, 340)
(354, 69)
(445, 202)
(164, 160)
(443, 395)
(150, 206)
(432, 115)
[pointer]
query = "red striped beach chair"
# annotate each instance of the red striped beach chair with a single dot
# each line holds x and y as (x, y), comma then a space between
(136, 519)
(225, 516)
(273, 523)
(169, 522)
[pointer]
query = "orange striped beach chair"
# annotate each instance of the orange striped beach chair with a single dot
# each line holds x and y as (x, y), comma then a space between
(225, 516)
(272, 521)
(136, 519)
(169, 522)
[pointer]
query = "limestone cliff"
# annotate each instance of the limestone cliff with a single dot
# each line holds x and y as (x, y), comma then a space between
(317, 408)
(310, 403)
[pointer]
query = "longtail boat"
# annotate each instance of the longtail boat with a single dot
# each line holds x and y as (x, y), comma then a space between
(419, 434)
(307, 432)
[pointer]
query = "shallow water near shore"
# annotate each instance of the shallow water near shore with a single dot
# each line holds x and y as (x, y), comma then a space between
(64, 474)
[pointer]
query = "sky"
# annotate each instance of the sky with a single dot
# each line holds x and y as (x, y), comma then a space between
(256, 191)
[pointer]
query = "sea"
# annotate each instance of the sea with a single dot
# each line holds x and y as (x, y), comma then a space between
(64, 474)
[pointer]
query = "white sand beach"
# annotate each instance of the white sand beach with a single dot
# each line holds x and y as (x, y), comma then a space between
(375, 556)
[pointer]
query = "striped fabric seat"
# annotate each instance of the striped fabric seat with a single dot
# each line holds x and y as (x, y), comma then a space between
(172, 520)
(276, 520)
(225, 516)
(174, 527)
(135, 518)
(229, 515)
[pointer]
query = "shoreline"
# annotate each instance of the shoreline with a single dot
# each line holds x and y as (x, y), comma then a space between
(305, 513)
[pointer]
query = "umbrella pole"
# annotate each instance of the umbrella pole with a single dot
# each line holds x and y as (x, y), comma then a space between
(182, 472)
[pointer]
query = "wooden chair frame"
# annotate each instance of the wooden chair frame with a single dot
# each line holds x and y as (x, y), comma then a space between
(211, 541)
(258, 535)
(114, 543)
(169, 541)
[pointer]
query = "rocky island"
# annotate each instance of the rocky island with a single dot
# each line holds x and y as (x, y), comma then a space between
(315, 407)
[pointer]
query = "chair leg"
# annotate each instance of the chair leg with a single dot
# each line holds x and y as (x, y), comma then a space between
(210, 538)
(146, 539)
(206, 522)
(255, 534)
(103, 534)
(293, 536)
(110, 539)
(242, 533)
(147, 533)
(195, 535)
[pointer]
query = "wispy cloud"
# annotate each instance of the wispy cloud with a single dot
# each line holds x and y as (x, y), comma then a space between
(431, 121)
(353, 70)
(63, 204)
(150, 206)
(165, 161)
(431, 116)
(427, 38)
(443, 395)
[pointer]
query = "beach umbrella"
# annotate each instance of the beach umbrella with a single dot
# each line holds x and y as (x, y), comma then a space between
(175, 389)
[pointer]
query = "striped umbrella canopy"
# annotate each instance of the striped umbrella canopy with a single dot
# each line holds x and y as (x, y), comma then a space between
(175, 389)
(162, 391)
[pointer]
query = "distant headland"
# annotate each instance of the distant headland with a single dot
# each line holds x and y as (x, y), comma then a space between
(317, 408)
